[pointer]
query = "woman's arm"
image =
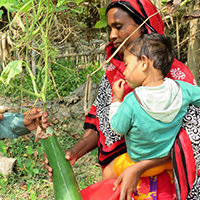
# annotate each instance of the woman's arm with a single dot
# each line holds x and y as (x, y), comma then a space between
(87, 143)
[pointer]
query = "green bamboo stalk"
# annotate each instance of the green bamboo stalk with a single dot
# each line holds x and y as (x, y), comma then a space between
(64, 181)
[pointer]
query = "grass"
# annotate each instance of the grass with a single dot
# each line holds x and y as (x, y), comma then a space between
(30, 181)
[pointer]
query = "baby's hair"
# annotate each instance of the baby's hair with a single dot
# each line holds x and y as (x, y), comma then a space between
(155, 47)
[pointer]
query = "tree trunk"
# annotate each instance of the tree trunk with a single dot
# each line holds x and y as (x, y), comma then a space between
(194, 44)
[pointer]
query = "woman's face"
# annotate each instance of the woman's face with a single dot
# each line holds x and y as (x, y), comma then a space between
(121, 26)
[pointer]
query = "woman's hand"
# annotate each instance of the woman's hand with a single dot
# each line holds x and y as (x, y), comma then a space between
(118, 90)
(48, 168)
(70, 155)
(128, 179)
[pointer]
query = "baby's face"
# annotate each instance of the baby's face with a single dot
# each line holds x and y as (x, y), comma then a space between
(133, 72)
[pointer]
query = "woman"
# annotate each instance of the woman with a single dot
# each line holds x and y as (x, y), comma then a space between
(123, 17)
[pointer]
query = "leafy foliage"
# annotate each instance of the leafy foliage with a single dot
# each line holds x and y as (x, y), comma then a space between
(35, 23)
(41, 25)
(66, 76)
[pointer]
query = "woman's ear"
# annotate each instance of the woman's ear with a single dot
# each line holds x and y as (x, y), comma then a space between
(145, 63)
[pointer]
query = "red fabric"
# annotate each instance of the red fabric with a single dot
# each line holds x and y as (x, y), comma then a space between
(179, 71)
(114, 149)
(186, 168)
(165, 187)
(90, 120)
(114, 72)
(103, 190)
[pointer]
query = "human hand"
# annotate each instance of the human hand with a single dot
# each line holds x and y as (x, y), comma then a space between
(3, 109)
(35, 117)
(70, 155)
(129, 179)
(48, 168)
(118, 90)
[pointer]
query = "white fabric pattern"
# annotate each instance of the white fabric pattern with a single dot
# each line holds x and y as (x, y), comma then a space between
(177, 74)
(102, 103)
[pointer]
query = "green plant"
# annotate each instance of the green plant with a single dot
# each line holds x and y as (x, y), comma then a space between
(3, 148)
(15, 68)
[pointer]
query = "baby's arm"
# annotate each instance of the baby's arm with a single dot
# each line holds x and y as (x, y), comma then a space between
(118, 92)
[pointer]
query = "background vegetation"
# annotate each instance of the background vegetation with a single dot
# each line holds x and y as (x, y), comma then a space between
(68, 29)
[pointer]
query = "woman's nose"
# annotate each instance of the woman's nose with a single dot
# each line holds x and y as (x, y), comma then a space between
(113, 34)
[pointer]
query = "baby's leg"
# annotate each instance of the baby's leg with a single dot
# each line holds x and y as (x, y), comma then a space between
(108, 172)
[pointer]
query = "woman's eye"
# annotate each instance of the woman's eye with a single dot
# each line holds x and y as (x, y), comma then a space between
(118, 27)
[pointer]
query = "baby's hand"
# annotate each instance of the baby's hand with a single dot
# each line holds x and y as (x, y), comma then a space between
(118, 90)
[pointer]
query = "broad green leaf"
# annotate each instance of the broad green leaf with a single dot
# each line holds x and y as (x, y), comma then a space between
(25, 7)
(12, 69)
(14, 5)
(8, 5)
(78, 1)
(6, 2)
(35, 171)
(62, 2)
(33, 196)
(100, 24)
(103, 22)
(102, 13)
